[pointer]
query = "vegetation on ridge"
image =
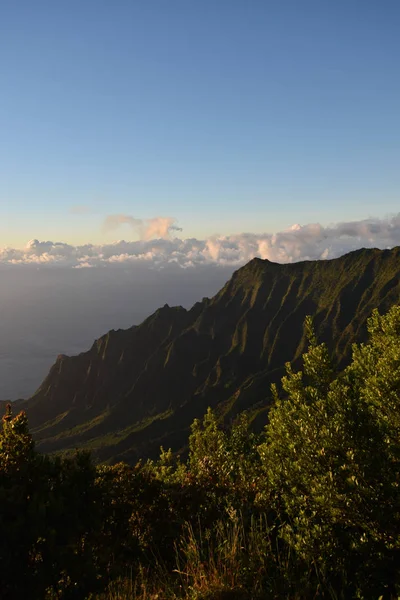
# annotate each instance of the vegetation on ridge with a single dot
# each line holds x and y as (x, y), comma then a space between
(138, 389)
(308, 508)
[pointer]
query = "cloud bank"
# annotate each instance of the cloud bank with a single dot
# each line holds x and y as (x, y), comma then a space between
(158, 249)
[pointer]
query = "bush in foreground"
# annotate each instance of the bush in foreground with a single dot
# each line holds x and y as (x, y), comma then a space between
(309, 508)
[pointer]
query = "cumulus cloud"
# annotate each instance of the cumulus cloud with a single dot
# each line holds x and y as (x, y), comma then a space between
(159, 227)
(147, 229)
(157, 248)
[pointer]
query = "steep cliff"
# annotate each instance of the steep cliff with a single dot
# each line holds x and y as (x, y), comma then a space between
(139, 388)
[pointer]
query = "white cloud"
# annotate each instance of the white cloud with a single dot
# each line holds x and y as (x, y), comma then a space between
(147, 229)
(307, 242)
(159, 227)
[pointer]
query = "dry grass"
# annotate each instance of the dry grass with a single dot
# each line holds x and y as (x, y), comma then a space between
(228, 563)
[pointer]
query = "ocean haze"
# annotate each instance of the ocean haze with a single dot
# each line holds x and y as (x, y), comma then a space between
(49, 311)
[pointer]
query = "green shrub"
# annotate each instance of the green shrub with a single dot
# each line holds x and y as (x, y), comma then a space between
(309, 508)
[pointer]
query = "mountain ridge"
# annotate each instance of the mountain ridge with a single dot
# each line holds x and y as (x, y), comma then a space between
(138, 388)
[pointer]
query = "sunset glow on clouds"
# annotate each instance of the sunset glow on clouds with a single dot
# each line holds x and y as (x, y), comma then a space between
(158, 246)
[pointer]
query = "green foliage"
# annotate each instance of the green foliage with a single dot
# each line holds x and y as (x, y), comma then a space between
(310, 507)
(226, 458)
(47, 518)
(332, 458)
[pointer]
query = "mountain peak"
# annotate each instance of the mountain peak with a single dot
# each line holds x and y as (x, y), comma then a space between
(140, 388)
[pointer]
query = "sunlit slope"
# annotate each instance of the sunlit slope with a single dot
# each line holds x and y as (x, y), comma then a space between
(139, 388)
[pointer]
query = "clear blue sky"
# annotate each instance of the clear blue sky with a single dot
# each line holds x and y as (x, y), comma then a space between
(230, 115)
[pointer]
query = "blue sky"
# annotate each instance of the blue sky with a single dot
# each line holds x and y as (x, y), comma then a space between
(228, 115)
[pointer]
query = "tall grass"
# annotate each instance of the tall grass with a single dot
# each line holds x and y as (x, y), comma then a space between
(231, 561)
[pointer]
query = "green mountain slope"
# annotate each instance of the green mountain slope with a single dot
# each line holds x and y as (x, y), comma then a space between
(139, 388)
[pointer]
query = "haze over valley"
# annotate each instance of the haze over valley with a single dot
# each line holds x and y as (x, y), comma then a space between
(46, 312)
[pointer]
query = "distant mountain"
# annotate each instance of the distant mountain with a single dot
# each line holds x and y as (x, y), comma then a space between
(140, 388)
